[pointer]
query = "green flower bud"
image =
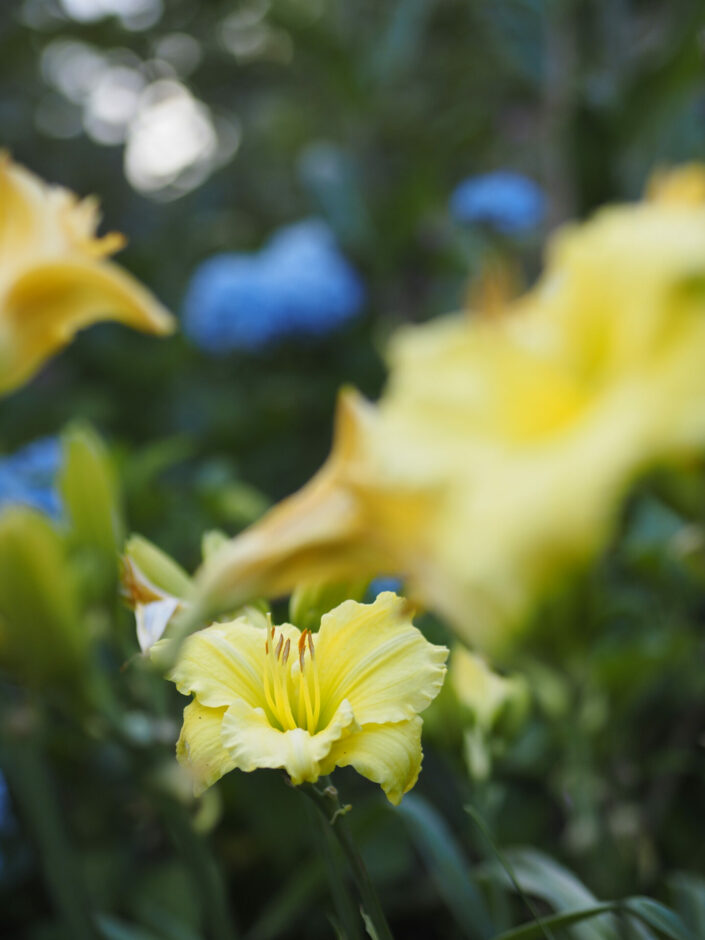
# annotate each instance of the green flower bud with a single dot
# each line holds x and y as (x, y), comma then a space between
(42, 634)
(160, 568)
(89, 495)
(309, 602)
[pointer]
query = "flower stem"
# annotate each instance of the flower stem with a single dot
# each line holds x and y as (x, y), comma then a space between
(328, 802)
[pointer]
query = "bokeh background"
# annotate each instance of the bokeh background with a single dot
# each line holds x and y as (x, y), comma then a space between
(206, 128)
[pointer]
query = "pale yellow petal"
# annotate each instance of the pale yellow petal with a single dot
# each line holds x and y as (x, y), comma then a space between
(684, 185)
(22, 221)
(252, 742)
(373, 656)
(222, 664)
(317, 534)
(47, 305)
(199, 748)
(389, 755)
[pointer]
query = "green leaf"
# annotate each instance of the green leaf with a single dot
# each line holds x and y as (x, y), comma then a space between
(369, 926)
(659, 917)
(537, 929)
(110, 928)
(542, 877)
(689, 892)
(447, 866)
(646, 910)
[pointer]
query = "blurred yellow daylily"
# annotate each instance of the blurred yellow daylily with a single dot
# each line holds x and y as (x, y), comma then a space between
(498, 457)
(54, 276)
(280, 698)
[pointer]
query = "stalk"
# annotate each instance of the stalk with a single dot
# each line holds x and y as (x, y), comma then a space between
(328, 802)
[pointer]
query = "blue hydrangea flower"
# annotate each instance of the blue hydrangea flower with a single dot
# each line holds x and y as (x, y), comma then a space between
(386, 583)
(28, 476)
(5, 808)
(299, 284)
(507, 202)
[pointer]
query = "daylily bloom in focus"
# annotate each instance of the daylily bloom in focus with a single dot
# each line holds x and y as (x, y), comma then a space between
(277, 697)
(55, 278)
(499, 455)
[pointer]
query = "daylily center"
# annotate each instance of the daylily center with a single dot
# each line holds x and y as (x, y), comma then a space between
(291, 684)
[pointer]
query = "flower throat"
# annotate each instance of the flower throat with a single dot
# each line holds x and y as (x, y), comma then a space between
(292, 690)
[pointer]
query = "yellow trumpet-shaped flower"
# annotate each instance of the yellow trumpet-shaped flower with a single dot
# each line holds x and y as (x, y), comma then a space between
(55, 278)
(498, 457)
(280, 698)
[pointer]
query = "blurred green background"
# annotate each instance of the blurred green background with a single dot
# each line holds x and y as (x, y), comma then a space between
(204, 127)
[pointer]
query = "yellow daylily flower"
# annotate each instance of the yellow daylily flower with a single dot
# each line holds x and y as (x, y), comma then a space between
(55, 278)
(498, 457)
(278, 697)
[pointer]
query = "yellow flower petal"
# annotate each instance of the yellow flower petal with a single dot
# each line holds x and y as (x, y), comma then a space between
(290, 699)
(683, 186)
(199, 747)
(469, 477)
(315, 535)
(373, 656)
(48, 305)
(252, 742)
(22, 223)
(54, 278)
(223, 663)
(389, 755)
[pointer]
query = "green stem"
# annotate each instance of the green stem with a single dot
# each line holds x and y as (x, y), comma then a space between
(328, 803)
(338, 880)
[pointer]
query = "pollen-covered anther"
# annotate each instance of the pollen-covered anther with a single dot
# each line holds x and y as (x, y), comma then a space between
(302, 649)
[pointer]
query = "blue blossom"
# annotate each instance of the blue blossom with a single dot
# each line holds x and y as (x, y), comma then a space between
(299, 284)
(5, 808)
(386, 583)
(28, 476)
(7, 820)
(506, 201)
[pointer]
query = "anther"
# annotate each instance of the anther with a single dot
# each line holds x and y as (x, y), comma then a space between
(285, 655)
(310, 645)
(279, 646)
(302, 649)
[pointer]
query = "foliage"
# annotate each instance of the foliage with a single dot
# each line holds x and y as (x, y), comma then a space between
(574, 809)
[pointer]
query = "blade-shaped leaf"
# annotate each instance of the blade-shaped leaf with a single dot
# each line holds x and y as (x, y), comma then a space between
(447, 866)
